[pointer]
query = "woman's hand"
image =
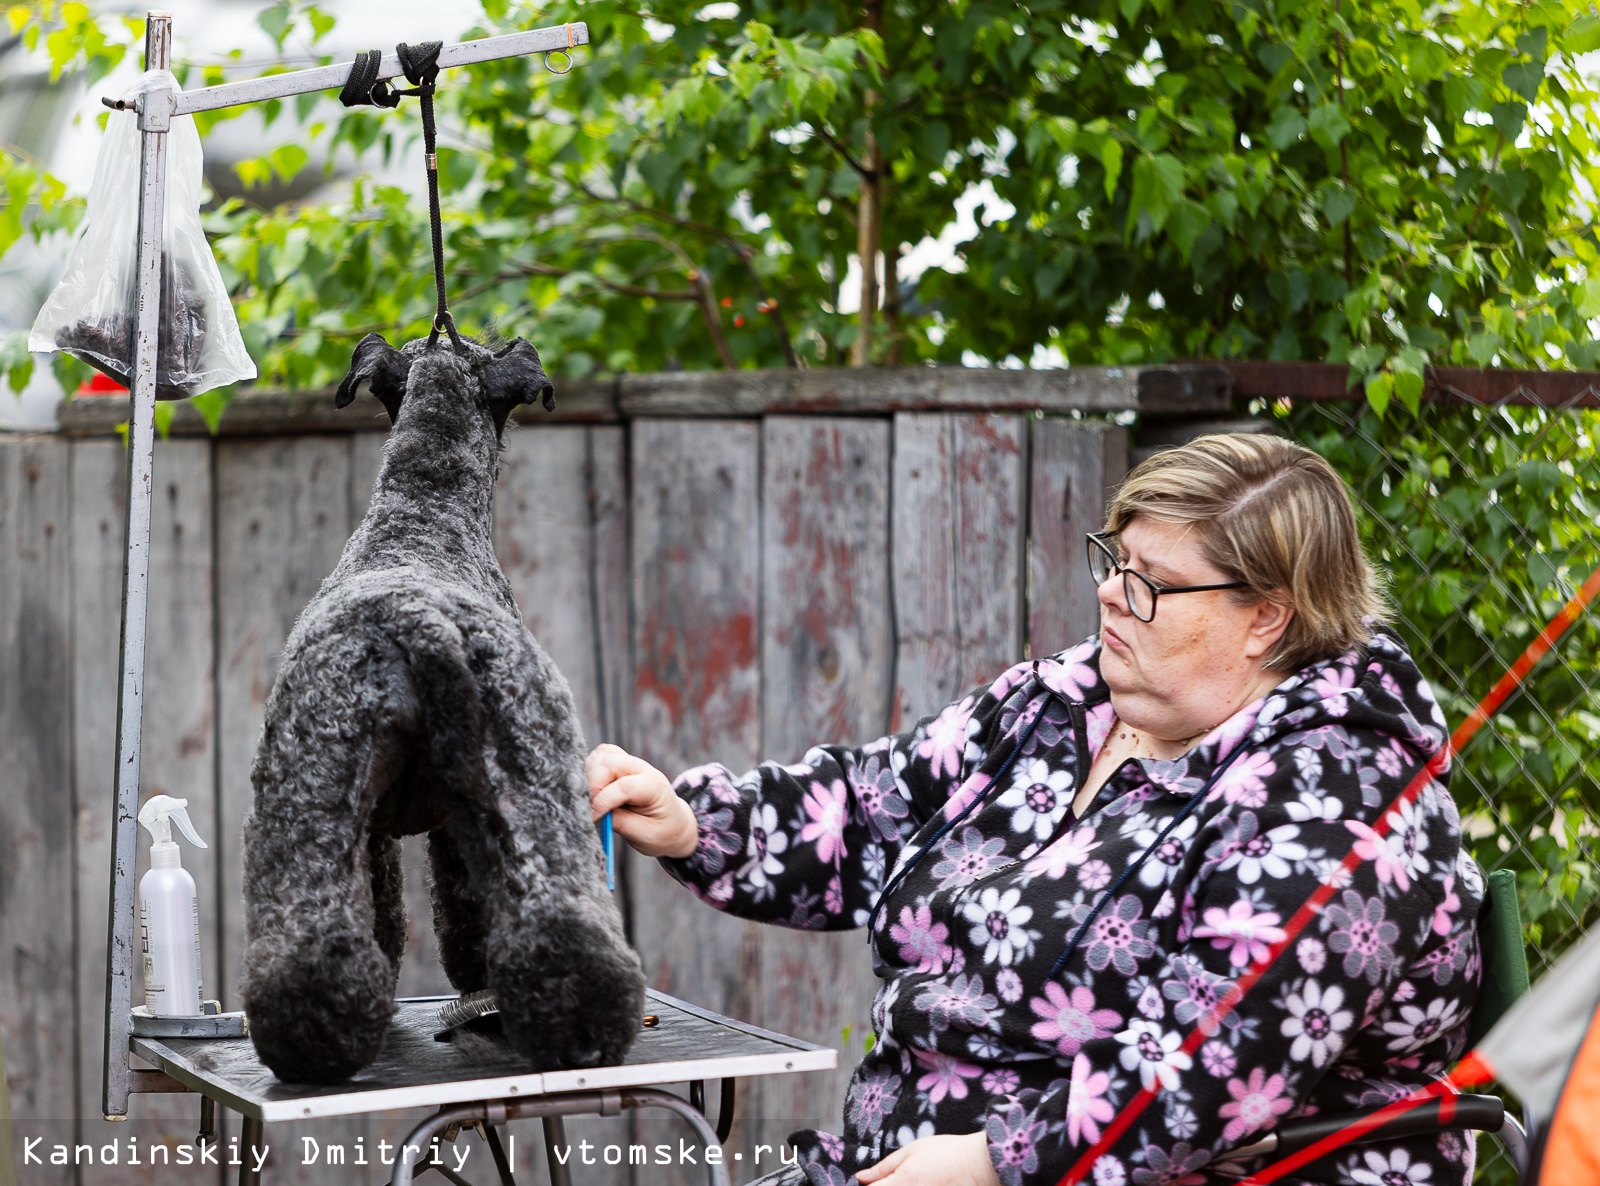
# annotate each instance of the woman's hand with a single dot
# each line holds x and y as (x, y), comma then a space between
(935, 1161)
(644, 810)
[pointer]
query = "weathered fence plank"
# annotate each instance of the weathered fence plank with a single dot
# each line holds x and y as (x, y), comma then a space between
(608, 500)
(827, 656)
(178, 746)
(958, 541)
(283, 515)
(923, 566)
(544, 539)
(825, 587)
(284, 510)
(696, 568)
(1076, 466)
(696, 598)
(36, 935)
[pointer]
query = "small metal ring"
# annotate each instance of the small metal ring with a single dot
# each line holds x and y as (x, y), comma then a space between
(552, 54)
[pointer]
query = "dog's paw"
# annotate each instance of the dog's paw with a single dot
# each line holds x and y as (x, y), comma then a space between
(318, 1009)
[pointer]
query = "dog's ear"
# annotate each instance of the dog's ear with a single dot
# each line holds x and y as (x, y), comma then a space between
(379, 368)
(515, 376)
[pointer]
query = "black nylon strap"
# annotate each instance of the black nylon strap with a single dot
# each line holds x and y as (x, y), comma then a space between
(362, 88)
(421, 66)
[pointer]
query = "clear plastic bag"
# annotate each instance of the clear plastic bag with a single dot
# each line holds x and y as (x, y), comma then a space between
(92, 312)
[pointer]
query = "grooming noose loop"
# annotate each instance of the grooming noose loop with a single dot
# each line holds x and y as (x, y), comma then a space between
(421, 66)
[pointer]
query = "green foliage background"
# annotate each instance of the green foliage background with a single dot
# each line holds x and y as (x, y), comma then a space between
(1377, 181)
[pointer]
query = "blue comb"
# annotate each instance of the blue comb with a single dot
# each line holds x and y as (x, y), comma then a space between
(609, 843)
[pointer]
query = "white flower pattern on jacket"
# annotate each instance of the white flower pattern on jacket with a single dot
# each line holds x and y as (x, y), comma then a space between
(966, 819)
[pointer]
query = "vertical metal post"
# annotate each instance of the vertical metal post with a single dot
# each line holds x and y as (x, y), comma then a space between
(155, 118)
(555, 1137)
(250, 1146)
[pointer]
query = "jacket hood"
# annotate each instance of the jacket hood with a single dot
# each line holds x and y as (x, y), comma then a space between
(1374, 688)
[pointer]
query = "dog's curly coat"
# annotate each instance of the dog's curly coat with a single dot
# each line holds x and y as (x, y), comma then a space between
(412, 698)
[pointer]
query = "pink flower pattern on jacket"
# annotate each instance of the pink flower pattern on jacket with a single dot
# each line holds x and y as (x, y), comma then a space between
(982, 1025)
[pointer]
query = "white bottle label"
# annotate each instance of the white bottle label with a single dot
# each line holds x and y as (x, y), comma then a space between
(199, 987)
(151, 988)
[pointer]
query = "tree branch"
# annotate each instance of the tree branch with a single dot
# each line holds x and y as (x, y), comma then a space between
(823, 135)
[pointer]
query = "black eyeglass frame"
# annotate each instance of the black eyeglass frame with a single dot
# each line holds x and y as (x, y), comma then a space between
(1096, 541)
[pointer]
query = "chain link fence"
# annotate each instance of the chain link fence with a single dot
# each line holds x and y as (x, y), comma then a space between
(1484, 519)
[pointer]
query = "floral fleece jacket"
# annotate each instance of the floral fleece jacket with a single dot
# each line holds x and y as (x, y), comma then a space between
(981, 1025)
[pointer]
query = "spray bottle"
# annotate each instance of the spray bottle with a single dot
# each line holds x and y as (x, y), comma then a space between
(169, 914)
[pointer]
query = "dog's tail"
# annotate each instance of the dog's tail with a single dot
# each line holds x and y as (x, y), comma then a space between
(451, 700)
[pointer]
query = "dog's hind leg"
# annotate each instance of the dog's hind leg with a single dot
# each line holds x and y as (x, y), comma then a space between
(570, 990)
(459, 924)
(319, 966)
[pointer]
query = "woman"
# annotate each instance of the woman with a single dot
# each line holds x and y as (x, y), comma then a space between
(1065, 873)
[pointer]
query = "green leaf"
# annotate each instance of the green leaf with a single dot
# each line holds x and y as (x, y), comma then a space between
(1583, 35)
(1338, 201)
(15, 360)
(1534, 43)
(1588, 302)
(1523, 77)
(1509, 118)
(211, 405)
(1409, 367)
(287, 160)
(1380, 389)
(275, 22)
(1482, 347)
(1111, 161)
(1157, 186)
(322, 24)
(1187, 223)
(1328, 125)
(1408, 387)
(1287, 126)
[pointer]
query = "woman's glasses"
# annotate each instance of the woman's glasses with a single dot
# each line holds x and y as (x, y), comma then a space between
(1139, 589)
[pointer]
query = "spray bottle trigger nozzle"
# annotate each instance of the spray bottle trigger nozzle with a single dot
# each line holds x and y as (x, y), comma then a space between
(158, 810)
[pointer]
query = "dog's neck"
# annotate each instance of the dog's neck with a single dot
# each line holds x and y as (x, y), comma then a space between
(442, 456)
(433, 502)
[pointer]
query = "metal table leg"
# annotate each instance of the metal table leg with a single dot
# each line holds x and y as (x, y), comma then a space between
(491, 1137)
(249, 1143)
(576, 1103)
(555, 1136)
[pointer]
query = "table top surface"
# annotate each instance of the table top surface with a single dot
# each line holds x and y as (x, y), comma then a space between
(415, 1071)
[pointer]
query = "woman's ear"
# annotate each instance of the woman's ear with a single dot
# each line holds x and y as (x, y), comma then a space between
(1270, 618)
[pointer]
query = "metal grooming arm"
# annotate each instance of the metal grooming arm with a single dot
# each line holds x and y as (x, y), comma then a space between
(156, 109)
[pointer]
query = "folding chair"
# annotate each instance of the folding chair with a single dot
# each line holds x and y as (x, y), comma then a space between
(1505, 978)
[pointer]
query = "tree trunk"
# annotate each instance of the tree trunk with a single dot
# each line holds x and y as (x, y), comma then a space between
(891, 302)
(868, 220)
(869, 215)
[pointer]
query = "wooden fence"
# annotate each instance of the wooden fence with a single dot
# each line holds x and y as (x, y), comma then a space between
(727, 568)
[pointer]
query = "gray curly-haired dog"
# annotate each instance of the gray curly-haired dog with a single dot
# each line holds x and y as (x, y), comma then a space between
(412, 698)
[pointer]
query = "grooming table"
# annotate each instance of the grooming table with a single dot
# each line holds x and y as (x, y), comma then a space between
(474, 1082)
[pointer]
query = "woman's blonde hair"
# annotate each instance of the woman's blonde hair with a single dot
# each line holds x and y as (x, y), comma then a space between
(1274, 515)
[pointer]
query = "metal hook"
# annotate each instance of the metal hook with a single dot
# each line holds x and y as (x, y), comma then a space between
(552, 54)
